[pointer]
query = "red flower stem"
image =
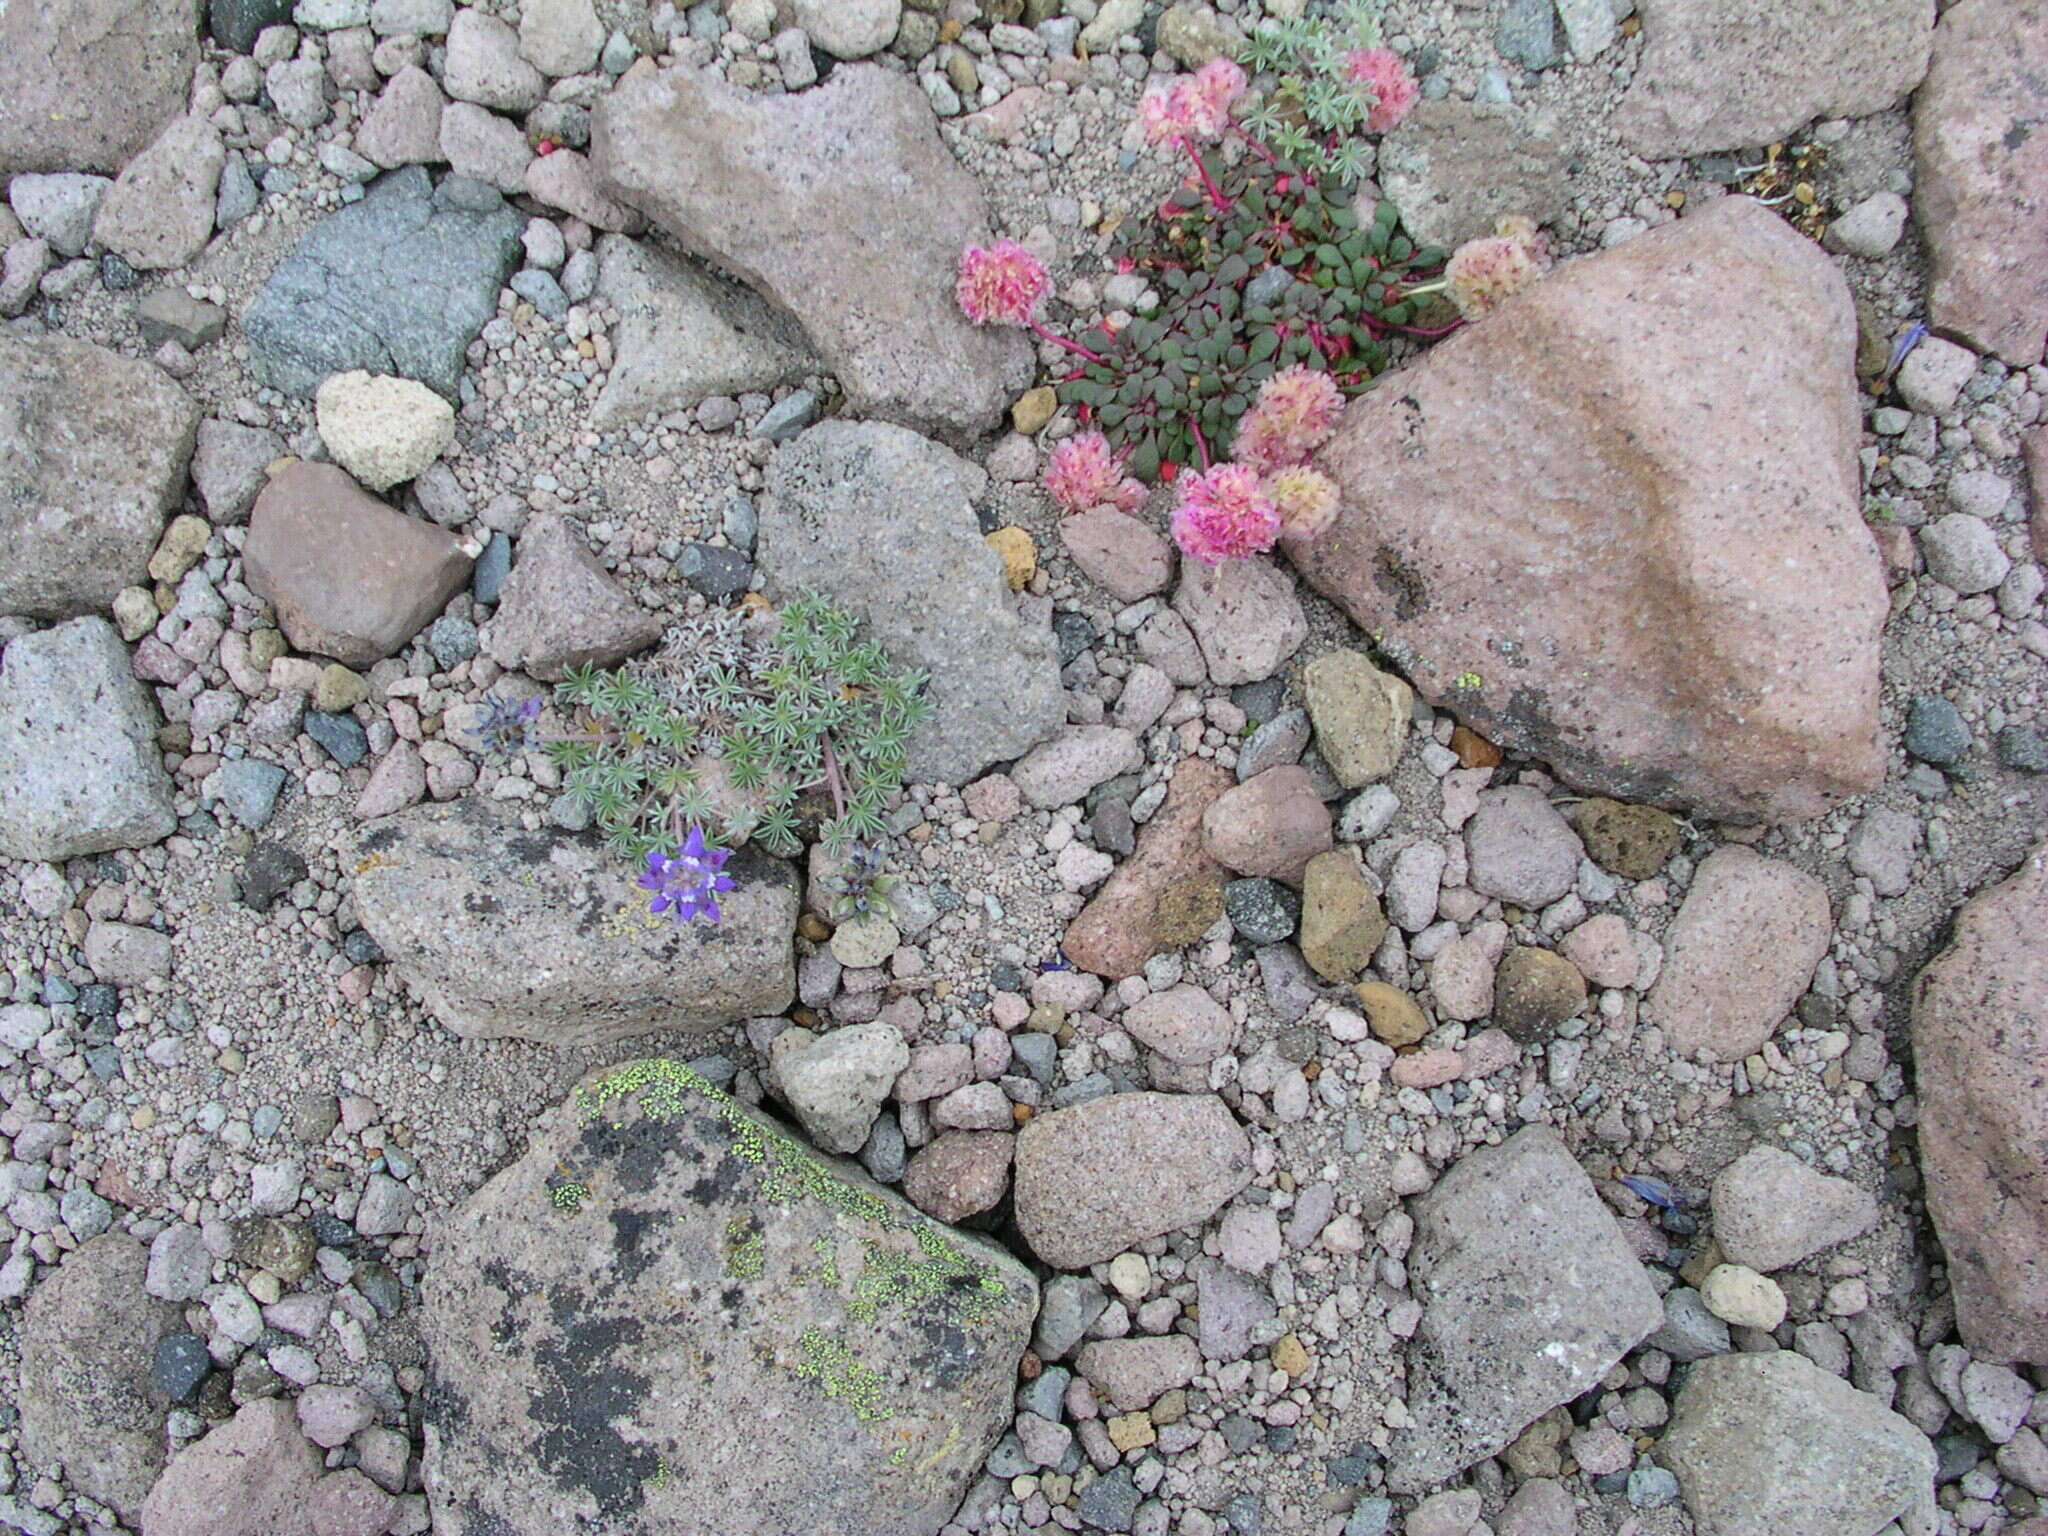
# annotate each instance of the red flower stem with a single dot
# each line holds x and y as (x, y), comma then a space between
(1201, 442)
(1217, 200)
(1424, 333)
(1071, 346)
(1258, 144)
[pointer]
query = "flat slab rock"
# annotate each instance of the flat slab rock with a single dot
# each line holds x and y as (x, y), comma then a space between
(882, 521)
(1095, 1179)
(93, 452)
(80, 771)
(671, 1315)
(544, 935)
(1734, 74)
(1772, 1445)
(1981, 160)
(1980, 1037)
(842, 205)
(399, 283)
(1530, 1294)
(1653, 573)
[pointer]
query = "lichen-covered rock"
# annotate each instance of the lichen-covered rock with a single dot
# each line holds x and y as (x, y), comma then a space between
(882, 522)
(671, 1315)
(842, 205)
(1980, 1042)
(1652, 574)
(88, 1334)
(545, 936)
(1529, 1294)
(93, 452)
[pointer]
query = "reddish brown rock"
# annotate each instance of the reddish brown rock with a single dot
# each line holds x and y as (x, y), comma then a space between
(1982, 160)
(842, 205)
(1739, 954)
(960, 1174)
(561, 608)
(1651, 572)
(1731, 74)
(1184, 1024)
(1114, 936)
(1272, 825)
(253, 1476)
(1118, 553)
(1980, 1047)
(1134, 1373)
(349, 577)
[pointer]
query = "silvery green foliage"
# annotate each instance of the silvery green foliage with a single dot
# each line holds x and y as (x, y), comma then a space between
(808, 719)
(1312, 114)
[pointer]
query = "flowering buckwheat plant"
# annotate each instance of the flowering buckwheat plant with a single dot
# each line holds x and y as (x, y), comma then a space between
(1084, 472)
(1484, 274)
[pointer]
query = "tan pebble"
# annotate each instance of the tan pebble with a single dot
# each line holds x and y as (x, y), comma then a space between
(1018, 554)
(1291, 1356)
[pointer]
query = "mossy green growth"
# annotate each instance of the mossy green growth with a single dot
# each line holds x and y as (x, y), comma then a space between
(790, 1174)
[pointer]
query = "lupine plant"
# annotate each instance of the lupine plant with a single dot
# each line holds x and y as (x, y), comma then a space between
(1333, 79)
(725, 735)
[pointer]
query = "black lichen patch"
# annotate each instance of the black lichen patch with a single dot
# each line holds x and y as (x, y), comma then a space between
(480, 904)
(588, 1392)
(715, 1187)
(638, 1150)
(633, 1243)
(950, 1353)
(478, 1521)
(530, 850)
(443, 1406)
(1393, 575)
(377, 839)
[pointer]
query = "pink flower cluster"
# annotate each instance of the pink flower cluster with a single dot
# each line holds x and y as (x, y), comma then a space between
(1483, 274)
(1083, 472)
(1195, 108)
(1306, 500)
(1295, 413)
(1224, 514)
(1003, 285)
(1385, 74)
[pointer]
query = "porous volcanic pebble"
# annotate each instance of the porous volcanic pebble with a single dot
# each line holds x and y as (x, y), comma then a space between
(1095, 1179)
(1361, 715)
(380, 429)
(1632, 841)
(959, 1174)
(1341, 921)
(1534, 991)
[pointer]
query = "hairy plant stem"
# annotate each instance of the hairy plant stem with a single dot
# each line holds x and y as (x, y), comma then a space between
(1060, 341)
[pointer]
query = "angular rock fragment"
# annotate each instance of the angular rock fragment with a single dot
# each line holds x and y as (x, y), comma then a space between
(1529, 1295)
(840, 204)
(545, 936)
(617, 1319)
(561, 609)
(1771, 1211)
(1658, 580)
(1116, 933)
(85, 84)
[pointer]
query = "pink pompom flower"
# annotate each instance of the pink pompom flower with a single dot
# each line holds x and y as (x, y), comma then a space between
(1306, 500)
(1294, 415)
(1195, 108)
(1385, 74)
(1484, 274)
(1003, 285)
(1224, 514)
(1083, 472)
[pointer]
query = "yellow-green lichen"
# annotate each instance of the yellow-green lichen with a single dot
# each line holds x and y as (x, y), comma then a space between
(839, 1373)
(568, 1197)
(745, 1251)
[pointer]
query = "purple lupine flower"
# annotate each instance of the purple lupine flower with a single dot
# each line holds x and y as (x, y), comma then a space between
(507, 727)
(686, 884)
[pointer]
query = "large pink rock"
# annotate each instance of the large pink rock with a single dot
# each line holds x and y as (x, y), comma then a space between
(842, 205)
(1982, 156)
(1980, 1047)
(85, 84)
(1733, 74)
(253, 1476)
(1617, 524)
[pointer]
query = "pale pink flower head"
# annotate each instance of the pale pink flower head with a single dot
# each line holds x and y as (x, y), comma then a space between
(1082, 473)
(1224, 514)
(1195, 107)
(1003, 285)
(1306, 500)
(1295, 414)
(1484, 274)
(1385, 74)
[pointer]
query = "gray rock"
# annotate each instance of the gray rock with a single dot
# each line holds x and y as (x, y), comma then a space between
(1521, 849)
(93, 452)
(1456, 168)
(809, 1296)
(230, 462)
(1936, 731)
(484, 65)
(1771, 1211)
(172, 314)
(1730, 74)
(1094, 1179)
(1061, 771)
(237, 196)
(1071, 1305)
(842, 205)
(1232, 1306)
(1871, 228)
(1527, 34)
(159, 212)
(1530, 1294)
(685, 334)
(87, 1335)
(235, 24)
(248, 788)
(1110, 1503)
(883, 522)
(58, 208)
(398, 283)
(1962, 552)
(79, 767)
(566, 951)
(1772, 1445)
(86, 84)
(1262, 911)
(560, 608)
(787, 417)
(836, 1082)
(1882, 848)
